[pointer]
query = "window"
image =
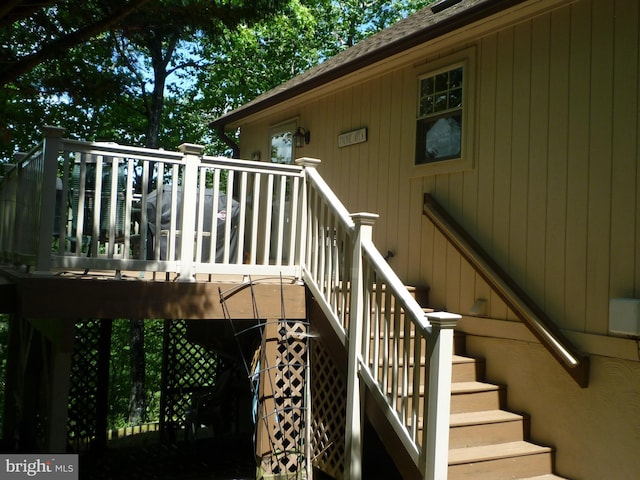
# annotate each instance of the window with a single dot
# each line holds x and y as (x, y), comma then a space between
(443, 124)
(281, 143)
(440, 117)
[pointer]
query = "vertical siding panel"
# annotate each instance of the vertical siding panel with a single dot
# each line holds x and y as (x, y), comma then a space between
(485, 160)
(625, 155)
(341, 178)
(335, 128)
(518, 214)
(328, 156)
(499, 246)
(413, 245)
(452, 300)
(409, 207)
(373, 141)
(361, 151)
(555, 277)
(352, 152)
(384, 139)
(394, 192)
(469, 219)
(538, 161)
(319, 131)
(455, 194)
(600, 169)
(578, 170)
(427, 240)
(427, 245)
(442, 278)
(437, 295)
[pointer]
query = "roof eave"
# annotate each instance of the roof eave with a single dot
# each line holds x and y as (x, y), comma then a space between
(445, 26)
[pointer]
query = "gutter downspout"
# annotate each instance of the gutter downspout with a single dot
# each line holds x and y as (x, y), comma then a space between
(228, 141)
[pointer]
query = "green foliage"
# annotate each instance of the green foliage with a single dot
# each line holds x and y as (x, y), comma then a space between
(120, 372)
(159, 76)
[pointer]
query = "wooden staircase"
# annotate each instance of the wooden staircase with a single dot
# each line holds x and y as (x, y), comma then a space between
(486, 441)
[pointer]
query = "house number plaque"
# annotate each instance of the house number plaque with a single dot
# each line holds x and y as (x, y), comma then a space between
(352, 137)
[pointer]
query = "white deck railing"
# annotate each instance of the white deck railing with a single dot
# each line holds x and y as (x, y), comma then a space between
(80, 205)
(112, 207)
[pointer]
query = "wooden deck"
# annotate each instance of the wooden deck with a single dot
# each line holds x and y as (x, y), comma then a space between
(99, 294)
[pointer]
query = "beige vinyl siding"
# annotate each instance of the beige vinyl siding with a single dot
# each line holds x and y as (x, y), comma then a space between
(556, 166)
(577, 174)
(556, 192)
(599, 199)
(553, 194)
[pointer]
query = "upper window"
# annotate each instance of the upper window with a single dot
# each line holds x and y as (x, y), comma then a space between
(440, 117)
(443, 124)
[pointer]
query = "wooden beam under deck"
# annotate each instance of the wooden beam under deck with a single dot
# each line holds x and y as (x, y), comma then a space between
(85, 296)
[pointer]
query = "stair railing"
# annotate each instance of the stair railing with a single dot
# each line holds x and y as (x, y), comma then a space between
(389, 337)
(516, 299)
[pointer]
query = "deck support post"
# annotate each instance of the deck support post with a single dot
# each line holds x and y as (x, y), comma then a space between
(434, 459)
(191, 154)
(353, 434)
(60, 375)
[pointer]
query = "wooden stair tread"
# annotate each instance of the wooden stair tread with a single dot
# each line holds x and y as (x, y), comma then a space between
(461, 388)
(482, 417)
(548, 476)
(485, 453)
(464, 359)
(471, 387)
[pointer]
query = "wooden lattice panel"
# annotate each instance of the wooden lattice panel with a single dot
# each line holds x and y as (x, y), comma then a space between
(189, 371)
(328, 412)
(87, 390)
(280, 441)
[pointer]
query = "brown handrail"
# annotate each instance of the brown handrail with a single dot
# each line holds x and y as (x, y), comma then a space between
(576, 364)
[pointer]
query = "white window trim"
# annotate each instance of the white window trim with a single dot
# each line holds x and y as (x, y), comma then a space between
(466, 59)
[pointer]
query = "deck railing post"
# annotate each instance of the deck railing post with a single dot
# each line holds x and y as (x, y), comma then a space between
(10, 224)
(192, 155)
(301, 247)
(363, 223)
(435, 451)
(51, 150)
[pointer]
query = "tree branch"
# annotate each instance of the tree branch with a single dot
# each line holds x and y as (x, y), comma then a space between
(14, 10)
(61, 45)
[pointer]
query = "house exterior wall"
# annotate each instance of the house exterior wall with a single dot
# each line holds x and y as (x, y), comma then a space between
(553, 196)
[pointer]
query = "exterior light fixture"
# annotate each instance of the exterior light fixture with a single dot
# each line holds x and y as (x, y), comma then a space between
(301, 137)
